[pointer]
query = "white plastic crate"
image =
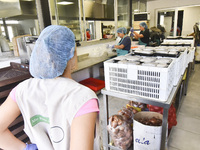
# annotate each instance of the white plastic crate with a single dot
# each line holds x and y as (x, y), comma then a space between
(190, 55)
(184, 62)
(150, 82)
(180, 66)
(186, 59)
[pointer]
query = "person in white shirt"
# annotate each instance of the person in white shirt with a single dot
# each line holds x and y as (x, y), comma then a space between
(58, 112)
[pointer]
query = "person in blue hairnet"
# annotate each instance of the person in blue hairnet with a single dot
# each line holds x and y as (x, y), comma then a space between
(124, 45)
(143, 36)
(58, 112)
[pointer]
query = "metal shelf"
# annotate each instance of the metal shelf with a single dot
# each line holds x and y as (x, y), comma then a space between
(166, 105)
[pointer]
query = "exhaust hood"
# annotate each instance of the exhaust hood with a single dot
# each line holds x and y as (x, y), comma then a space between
(18, 9)
(99, 9)
(26, 9)
(7, 5)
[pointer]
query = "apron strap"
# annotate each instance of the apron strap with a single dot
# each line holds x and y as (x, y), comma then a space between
(142, 43)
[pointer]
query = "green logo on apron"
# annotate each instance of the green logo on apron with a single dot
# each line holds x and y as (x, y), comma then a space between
(37, 119)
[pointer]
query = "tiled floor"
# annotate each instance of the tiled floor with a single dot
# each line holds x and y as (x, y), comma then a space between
(186, 135)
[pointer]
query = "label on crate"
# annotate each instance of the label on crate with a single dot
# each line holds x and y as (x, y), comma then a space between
(132, 73)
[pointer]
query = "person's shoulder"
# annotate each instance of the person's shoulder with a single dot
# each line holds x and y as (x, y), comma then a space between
(86, 90)
(128, 38)
(74, 84)
(25, 82)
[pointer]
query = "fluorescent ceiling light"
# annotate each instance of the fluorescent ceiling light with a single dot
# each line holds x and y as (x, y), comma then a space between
(136, 10)
(65, 3)
(10, 22)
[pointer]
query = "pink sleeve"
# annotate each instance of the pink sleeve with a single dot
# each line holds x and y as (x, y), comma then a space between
(88, 107)
(12, 94)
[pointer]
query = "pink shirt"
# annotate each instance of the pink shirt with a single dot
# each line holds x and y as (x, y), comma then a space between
(88, 107)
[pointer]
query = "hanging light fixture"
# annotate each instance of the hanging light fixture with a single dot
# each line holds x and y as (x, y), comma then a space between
(65, 3)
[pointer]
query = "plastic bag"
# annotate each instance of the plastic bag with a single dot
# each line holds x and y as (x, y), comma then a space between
(120, 131)
(137, 105)
(128, 112)
(171, 114)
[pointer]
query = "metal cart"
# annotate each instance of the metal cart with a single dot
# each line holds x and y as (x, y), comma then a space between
(166, 105)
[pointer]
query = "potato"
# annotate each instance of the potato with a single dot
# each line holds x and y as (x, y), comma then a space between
(121, 128)
(119, 122)
(121, 134)
(114, 124)
(116, 130)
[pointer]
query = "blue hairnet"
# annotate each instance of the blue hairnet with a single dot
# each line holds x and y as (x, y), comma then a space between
(53, 49)
(144, 25)
(87, 29)
(122, 30)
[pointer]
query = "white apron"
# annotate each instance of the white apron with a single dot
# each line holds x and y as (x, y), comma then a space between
(48, 107)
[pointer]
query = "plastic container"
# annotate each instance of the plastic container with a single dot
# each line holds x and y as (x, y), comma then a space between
(146, 137)
(190, 55)
(93, 84)
(150, 82)
(180, 65)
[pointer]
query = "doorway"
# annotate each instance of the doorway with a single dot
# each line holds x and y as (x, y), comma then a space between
(166, 18)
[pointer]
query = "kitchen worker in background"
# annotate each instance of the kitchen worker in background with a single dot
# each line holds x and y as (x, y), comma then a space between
(124, 45)
(143, 36)
(88, 34)
(58, 112)
(178, 31)
(196, 34)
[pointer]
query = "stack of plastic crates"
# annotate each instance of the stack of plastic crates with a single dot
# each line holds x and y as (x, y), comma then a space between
(150, 82)
(180, 65)
(191, 53)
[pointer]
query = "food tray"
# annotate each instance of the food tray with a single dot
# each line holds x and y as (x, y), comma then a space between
(156, 54)
(143, 54)
(151, 82)
(93, 84)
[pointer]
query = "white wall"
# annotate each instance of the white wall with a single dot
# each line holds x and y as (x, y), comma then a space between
(152, 6)
(190, 17)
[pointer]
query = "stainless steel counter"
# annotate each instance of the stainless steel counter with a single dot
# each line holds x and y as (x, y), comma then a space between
(91, 61)
(6, 58)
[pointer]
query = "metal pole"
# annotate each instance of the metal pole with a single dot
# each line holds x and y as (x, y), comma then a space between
(43, 14)
(175, 21)
(5, 28)
(139, 6)
(130, 13)
(164, 128)
(56, 12)
(115, 16)
(80, 21)
(105, 122)
(84, 21)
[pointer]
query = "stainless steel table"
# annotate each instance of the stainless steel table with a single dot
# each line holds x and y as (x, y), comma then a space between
(166, 105)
